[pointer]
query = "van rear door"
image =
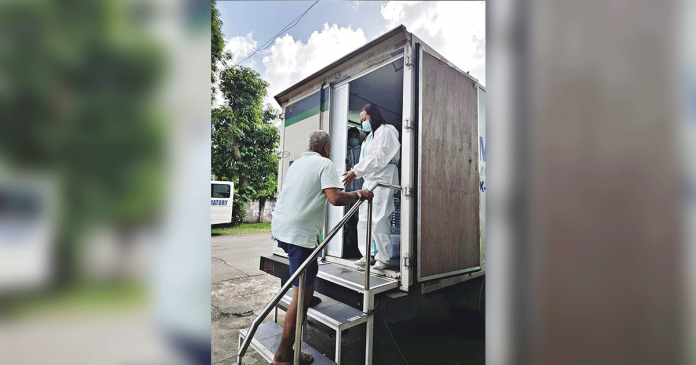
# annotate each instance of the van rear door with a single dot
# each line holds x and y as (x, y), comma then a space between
(448, 231)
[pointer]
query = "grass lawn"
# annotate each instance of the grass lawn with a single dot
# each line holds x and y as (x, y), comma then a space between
(244, 228)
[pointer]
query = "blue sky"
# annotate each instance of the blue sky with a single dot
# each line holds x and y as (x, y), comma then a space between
(332, 29)
(266, 18)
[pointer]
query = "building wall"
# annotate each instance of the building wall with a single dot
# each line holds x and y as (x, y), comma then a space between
(252, 211)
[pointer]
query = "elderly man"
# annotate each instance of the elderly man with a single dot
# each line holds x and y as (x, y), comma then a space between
(297, 222)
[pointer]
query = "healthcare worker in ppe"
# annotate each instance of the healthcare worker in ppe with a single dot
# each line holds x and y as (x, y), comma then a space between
(379, 157)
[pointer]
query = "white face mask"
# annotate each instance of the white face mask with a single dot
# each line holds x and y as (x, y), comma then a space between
(367, 127)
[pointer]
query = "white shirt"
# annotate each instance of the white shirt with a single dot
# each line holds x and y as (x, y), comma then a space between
(299, 212)
(379, 150)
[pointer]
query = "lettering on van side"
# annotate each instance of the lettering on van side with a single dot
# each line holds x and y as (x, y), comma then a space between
(218, 202)
(482, 172)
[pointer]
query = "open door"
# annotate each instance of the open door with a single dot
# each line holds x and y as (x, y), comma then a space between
(337, 128)
(408, 145)
(448, 231)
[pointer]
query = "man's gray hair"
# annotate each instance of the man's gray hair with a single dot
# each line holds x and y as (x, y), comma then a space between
(318, 140)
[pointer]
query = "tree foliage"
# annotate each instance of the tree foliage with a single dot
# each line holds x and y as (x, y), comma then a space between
(217, 45)
(244, 140)
(217, 42)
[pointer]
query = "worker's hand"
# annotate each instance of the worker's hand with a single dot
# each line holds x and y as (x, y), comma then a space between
(366, 195)
(348, 177)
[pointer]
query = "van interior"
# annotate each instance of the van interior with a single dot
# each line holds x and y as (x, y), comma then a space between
(384, 88)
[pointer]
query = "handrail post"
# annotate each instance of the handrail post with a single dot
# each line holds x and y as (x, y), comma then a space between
(368, 249)
(367, 296)
(298, 323)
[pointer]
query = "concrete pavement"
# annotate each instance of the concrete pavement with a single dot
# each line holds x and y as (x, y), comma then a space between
(238, 256)
(239, 291)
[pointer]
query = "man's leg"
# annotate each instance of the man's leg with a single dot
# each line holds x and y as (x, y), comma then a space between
(285, 353)
(350, 248)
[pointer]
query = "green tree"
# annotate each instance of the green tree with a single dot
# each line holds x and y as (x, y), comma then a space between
(243, 137)
(217, 42)
(217, 45)
(244, 140)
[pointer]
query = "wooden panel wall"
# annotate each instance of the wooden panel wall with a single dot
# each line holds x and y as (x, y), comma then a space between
(449, 198)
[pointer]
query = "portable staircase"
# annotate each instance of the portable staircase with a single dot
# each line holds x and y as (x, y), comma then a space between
(334, 314)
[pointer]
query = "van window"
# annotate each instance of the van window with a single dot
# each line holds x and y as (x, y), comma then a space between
(220, 191)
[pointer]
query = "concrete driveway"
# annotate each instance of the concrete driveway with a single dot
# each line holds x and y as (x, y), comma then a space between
(239, 291)
(235, 257)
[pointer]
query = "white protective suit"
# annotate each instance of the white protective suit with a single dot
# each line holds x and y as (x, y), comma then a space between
(379, 157)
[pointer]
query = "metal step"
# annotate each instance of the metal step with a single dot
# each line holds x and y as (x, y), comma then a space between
(350, 263)
(330, 312)
(347, 276)
(354, 279)
(267, 339)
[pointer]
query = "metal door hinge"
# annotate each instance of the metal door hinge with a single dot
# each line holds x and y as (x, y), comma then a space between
(407, 124)
(353, 319)
(407, 261)
(406, 191)
(409, 64)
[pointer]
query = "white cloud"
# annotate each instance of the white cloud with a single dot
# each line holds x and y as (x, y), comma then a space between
(290, 60)
(457, 30)
(240, 47)
(356, 5)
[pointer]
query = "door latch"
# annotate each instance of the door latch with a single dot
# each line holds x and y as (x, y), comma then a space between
(406, 191)
(407, 124)
(407, 261)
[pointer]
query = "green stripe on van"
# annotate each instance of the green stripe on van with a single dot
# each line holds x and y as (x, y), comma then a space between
(306, 114)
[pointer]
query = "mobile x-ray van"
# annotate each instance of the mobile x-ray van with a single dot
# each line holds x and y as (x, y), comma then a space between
(438, 228)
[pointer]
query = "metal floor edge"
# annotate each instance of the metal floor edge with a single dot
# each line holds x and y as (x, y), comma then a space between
(267, 339)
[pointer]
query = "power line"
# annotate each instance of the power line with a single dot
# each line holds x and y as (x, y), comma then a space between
(270, 42)
(287, 27)
(264, 46)
(297, 20)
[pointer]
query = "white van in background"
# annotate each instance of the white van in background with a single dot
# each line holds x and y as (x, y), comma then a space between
(221, 195)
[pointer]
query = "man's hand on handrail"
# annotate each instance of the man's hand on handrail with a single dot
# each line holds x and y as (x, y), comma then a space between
(340, 198)
(366, 195)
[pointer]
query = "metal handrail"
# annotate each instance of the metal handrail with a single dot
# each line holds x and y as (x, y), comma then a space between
(300, 272)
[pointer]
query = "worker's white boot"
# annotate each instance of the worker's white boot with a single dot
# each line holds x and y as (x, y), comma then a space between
(361, 262)
(380, 265)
